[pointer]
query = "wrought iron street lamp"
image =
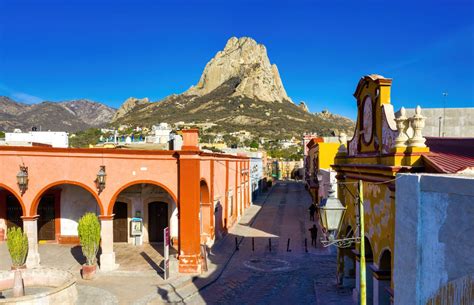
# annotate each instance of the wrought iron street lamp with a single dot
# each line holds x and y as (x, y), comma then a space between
(22, 179)
(331, 212)
(101, 177)
(331, 221)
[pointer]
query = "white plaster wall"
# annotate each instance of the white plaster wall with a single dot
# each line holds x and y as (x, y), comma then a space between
(433, 234)
(75, 202)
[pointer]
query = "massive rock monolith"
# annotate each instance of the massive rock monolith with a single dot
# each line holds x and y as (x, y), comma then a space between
(245, 59)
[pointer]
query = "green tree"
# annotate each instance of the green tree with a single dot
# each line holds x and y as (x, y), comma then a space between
(17, 243)
(89, 236)
(254, 144)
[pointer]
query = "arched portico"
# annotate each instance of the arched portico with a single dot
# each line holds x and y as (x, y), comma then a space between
(58, 207)
(178, 173)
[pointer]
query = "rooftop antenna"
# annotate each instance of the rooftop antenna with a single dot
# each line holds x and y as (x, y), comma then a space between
(445, 95)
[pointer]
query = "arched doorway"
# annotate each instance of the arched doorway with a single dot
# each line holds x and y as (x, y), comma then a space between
(59, 207)
(382, 279)
(205, 213)
(11, 212)
(148, 201)
(157, 220)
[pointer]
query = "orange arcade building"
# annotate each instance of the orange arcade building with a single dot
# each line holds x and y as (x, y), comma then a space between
(198, 195)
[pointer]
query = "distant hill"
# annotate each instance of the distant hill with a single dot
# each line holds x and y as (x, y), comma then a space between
(239, 89)
(56, 116)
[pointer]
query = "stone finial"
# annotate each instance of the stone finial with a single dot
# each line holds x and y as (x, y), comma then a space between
(402, 126)
(417, 122)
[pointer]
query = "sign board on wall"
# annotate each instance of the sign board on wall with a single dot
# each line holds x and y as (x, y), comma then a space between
(136, 226)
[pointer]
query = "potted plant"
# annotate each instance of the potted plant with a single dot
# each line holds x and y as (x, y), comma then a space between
(89, 236)
(17, 243)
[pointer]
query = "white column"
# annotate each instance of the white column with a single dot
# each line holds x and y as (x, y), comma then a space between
(107, 258)
(30, 227)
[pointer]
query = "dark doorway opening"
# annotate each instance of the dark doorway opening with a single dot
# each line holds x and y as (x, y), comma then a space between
(14, 212)
(120, 222)
(157, 220)
(46, 220)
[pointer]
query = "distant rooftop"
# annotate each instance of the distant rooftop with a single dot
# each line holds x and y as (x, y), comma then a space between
(449, 155)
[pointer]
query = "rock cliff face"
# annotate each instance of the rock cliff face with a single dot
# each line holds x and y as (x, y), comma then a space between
(128, 106)
(248, 61)
(303, 106)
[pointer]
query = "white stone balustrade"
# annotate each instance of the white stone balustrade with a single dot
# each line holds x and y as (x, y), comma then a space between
(406, 126)
(402, 127)
(417, 122)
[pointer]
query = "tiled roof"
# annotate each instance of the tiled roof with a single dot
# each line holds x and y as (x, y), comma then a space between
(449, 155)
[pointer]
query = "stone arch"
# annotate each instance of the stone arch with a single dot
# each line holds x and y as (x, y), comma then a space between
(117, 193)
(385, 262)
(204, 187)
(152, 208)
(18, 197)
(206, 212)
(38, 196)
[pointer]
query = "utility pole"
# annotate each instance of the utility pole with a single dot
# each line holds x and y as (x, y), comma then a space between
(445, 94)
(363, 287)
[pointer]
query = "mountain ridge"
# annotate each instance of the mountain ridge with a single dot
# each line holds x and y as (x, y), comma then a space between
(70, 116)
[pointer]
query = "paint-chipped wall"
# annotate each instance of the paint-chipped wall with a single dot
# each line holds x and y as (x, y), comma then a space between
(75, 202)
(433, 234)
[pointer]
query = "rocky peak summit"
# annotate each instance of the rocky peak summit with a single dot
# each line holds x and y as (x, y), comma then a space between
(128, 106)
(244, 59)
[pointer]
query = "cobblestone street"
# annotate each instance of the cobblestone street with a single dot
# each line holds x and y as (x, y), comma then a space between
(275, 276)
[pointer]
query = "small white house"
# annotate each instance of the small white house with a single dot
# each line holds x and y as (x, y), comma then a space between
(53, 138)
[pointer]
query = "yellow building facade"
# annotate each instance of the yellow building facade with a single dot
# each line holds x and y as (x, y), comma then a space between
(372, 157)
(321, 156)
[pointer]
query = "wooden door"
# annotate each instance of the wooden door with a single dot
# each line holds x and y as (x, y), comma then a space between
(46, 212)
(14, 212)
(157, 220)
(120, 222)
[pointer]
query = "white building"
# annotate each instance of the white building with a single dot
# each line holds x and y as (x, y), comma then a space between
(53, 138)
(161, 134)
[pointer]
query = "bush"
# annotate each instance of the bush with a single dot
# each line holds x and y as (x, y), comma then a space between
(89, 235)
(17, 243)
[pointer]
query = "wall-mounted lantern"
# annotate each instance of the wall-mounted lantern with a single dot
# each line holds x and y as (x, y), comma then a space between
(22, 179)
(100, 181)
(331, 212)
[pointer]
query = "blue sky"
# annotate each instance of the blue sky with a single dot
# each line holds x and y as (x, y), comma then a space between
(108, 51)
